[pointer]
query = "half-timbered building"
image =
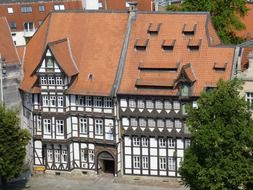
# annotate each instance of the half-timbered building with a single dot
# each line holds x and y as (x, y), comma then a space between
(171, 59)
(107, 90)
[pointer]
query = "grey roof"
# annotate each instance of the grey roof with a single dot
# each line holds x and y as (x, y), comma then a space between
(27, 1)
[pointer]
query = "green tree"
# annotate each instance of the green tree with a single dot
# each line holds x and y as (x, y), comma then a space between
(220, 156)
(13, 141)
(226, 16)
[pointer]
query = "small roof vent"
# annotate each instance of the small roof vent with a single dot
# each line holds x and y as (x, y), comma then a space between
(90, 76)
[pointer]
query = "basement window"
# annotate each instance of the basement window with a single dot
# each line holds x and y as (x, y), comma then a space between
(168, 45)
(154, 28)
(141, 44)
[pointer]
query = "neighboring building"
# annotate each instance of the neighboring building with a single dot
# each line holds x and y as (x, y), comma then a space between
(24, 17)
(247, 33)
(143, 5)
(244, 70)
(114, 100)
(10, 68)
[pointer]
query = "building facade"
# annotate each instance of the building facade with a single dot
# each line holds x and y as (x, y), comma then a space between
(115, 100)
(244, 70)
(10, 68)
(25, 17)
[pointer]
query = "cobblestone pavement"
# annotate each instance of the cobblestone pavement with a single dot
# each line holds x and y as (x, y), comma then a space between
(105, 181)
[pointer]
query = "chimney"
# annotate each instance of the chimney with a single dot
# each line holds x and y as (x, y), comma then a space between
(132, 9)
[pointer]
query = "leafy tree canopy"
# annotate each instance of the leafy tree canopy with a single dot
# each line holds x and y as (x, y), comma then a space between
(225, 14)
(13, 141)
(220, 156)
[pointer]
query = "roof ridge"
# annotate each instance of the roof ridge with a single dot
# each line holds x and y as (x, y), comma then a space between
(71, 55)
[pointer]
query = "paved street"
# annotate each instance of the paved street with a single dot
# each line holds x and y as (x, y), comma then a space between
(105, 181)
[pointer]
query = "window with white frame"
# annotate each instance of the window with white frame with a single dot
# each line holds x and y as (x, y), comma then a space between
(133, 122)
(123, 103)
(150, 104)
(57, 155)
(158, 105)
(162, 143)
(249, 99)
(169, 123)
(45, 101)
(26, 9)
(43, 80)
(97, 101)
(10, 10)
(160, 123)
(49, 65)
(107, 102)
(91, 155)
(47, 126)
(59, 7)
(64, 156)
(80, 100)
(59, 81)
(132, 103)
(171, 143)
(176, 105)
(141, 104)
(187, 143)
(98, 126)
(52, 101)
(172, 163)
(144, 162)
(88, 101)
(144, 141)
(142, 122)
(84, 154)
(28, 26)
(42, 8)
(136, 141)
(60, 101)
(151, 122)
(83, 125)
(59, 127)
(162, 163)
(49, 155)
(178, 124)
(51, 81)
(167, 105)
(39, 123)
(136, 161)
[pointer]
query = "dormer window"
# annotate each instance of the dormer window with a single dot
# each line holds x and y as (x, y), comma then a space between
(189, 29)
(141, 44)
(168, 45)
(154, 28)
(220, 66)
(185, 90)
(49, 64)
(194, 44)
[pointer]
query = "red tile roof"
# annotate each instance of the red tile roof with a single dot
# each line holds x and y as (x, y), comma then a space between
(95, 53)
(62, 53)
(201, 61)
(152, 71)
(7, 48)
(247, 33)
(143, 5)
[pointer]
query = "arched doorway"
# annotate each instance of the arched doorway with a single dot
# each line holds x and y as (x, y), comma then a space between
(106, 162)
